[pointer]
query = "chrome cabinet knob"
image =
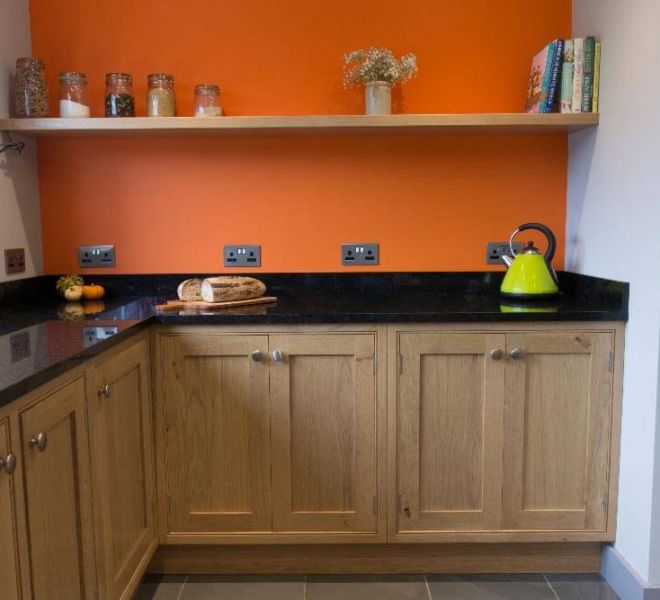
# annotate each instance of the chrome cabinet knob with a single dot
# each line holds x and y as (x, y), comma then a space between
(8, 463)
(517, 353)
(496, 354)
(105, 390)
(39, 442)
(278, 355)
(257, 355)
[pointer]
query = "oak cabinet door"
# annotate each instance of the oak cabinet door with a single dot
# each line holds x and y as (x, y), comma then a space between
(10, 580)
(57, 490)
(449, 432)
(121, 440)
(323, 391)
(217, 421)
(558, 415)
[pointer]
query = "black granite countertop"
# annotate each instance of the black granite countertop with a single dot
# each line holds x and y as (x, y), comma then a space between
(42, 337)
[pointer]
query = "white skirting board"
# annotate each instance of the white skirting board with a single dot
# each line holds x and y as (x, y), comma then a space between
(624, 579)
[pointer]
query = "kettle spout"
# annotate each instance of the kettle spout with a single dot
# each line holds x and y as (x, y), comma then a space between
(507, 260)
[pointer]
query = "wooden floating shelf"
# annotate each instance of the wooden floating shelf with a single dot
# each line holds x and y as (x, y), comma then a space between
(134, 126)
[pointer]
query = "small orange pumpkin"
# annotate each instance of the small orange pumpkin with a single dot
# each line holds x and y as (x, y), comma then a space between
(93, 292)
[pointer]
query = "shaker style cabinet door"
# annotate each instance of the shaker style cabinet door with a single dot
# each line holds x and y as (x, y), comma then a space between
(558, 417)
(57, 490)
(121, 441)
(449, 432)
(324, 398)
(217, 432)
(10, 580)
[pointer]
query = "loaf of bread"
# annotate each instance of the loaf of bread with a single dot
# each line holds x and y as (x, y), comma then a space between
(225, 289)
(190, 290)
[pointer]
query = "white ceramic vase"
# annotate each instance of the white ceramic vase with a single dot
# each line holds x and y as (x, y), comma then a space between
(378, 98)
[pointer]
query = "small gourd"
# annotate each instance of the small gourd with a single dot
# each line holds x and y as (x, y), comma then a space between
(93, 292)
(73, 293)
(67, 281)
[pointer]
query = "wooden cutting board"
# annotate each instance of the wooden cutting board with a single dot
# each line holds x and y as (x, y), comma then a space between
(196, 304)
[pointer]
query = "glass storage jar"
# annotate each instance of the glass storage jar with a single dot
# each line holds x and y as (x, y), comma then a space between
(161, 101)
(73, 95)
(207, 100)
(119, 99)
(30, 90)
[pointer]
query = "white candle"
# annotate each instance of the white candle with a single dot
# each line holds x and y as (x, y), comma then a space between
(70, 109)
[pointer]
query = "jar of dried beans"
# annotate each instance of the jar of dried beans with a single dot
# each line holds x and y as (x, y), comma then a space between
(161, 101)
(207, 100)
(119, 99)
(73, 95)
(30, 91)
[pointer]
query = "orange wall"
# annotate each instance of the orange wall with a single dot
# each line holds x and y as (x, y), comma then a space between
(171, 203)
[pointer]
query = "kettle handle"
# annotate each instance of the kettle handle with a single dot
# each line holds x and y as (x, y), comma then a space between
(546, 231)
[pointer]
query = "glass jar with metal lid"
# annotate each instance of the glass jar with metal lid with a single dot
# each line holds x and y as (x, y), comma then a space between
(30, 90)
(119, 99)
(73, 95)
(161, 101)
(207, 100)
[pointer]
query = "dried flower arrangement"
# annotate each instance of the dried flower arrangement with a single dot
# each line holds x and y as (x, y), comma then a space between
(378, 64)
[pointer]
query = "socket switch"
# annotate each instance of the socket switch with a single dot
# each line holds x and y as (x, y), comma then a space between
(241, 256)
(96, 256)
(14, 261)
(495, 250)
(359, 254)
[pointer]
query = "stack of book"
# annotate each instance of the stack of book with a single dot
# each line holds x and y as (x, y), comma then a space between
(565, 77)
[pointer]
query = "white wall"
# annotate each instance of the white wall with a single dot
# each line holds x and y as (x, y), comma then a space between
(20, 225)
(613, 231)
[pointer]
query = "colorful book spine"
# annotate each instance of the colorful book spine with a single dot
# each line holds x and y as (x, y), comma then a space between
(595, 104)
(547, 74)
(588, 76)
(567, 65)
(578, 72)
(554, 75)
(538, 79)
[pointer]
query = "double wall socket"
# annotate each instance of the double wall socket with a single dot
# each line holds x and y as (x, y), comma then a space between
(96, 256)
(495, 251)
(241, 256)
(359, 254)
(14, 261)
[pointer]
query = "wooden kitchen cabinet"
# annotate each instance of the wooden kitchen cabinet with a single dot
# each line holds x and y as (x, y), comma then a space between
(270, 437)
(503, 435)
(121, 446)
(449, 431)
(10, 573)
(216, 444)
(558, 421)
(324, 432)
(56, 474)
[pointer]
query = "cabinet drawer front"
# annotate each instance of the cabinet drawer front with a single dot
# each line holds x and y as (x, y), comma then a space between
(323, 390)
(122, 459)
(449, 432)
(217, 420)
(558, 418)
(56, 476)
(10, 585)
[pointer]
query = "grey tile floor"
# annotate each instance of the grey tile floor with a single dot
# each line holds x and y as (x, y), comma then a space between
(539, 586)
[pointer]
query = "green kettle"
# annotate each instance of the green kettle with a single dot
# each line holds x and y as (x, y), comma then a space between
(530, 275)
